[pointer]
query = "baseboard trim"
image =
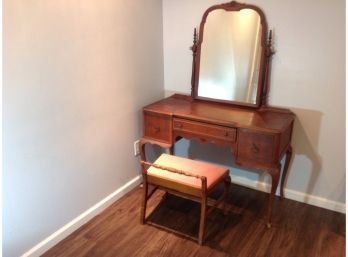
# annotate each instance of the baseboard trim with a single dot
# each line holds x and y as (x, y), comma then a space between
(73, 225)
(292, 194)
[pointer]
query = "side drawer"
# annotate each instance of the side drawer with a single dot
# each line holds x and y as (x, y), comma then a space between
(158, 127)
(256, 146)
(205, 130)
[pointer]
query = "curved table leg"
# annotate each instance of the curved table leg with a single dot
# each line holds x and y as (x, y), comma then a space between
(144, 141)
(275, 174)
(142, 144)
(285, 170)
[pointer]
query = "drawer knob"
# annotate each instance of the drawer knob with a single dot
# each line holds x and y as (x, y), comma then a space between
(157, 129)
(254, 148)
(226, 134)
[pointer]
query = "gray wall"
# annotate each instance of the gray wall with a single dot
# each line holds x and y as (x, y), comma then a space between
(76, 74)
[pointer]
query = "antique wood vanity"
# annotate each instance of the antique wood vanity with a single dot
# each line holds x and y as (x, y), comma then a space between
(228, 101)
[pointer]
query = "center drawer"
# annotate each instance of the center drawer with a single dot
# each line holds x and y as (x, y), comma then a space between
(204, 130)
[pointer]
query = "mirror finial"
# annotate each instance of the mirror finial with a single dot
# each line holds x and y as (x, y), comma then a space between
(270, 49)
(195, 36)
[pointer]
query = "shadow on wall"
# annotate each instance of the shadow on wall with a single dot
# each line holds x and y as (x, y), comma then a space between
(211, 153)
(153, 152)
(305, 141)
(225, 156)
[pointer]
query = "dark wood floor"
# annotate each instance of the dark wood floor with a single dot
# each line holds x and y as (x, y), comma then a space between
(298, 229)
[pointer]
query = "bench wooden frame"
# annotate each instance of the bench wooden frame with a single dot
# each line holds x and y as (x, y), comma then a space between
(193, 193)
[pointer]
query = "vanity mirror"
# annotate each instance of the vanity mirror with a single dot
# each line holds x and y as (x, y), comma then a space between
(231, 55)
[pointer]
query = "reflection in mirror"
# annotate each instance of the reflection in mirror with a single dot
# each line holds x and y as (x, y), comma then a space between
(230, 56)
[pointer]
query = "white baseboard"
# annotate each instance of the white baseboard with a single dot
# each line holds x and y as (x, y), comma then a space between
(73, 225)
(292, 194)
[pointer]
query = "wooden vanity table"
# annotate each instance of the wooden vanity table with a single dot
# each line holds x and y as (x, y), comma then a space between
(228, 109)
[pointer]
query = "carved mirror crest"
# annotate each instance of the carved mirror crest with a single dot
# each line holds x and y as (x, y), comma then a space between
(231, 56)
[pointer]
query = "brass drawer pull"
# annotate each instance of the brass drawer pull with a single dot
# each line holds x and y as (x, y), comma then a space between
(157, 129)
(254, 148)
(178, 125)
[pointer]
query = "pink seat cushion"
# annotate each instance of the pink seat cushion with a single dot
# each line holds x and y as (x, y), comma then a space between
(212, 172)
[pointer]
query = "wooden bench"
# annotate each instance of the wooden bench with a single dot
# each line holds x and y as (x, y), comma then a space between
(187, 178)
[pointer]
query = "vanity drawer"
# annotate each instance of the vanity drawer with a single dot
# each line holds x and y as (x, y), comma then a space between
(256, 146)
(158, 127)
(205, 130)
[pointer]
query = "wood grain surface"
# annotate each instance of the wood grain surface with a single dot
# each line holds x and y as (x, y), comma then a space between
(297, 229)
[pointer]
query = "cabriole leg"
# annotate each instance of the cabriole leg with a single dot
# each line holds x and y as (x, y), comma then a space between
(285, 171)
(275, 173)
(227, 184)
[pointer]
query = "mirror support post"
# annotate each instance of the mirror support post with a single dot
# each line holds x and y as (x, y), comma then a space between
(269, 52)
(194, 53)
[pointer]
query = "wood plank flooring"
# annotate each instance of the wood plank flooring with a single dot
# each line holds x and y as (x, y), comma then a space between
(298, 229)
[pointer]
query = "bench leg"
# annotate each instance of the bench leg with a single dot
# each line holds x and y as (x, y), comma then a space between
(227, 184)
(202, 220)
(144, 202)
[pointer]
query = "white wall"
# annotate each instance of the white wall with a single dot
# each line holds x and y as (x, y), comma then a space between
(76, 74)
(308, 76)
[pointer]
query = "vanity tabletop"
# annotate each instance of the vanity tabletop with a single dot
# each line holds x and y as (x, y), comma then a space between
(183, 106)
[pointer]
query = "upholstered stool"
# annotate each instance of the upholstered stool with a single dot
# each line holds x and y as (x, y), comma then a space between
(184, 177)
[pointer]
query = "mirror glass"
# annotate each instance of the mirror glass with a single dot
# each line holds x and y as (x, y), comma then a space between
(230, 56)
